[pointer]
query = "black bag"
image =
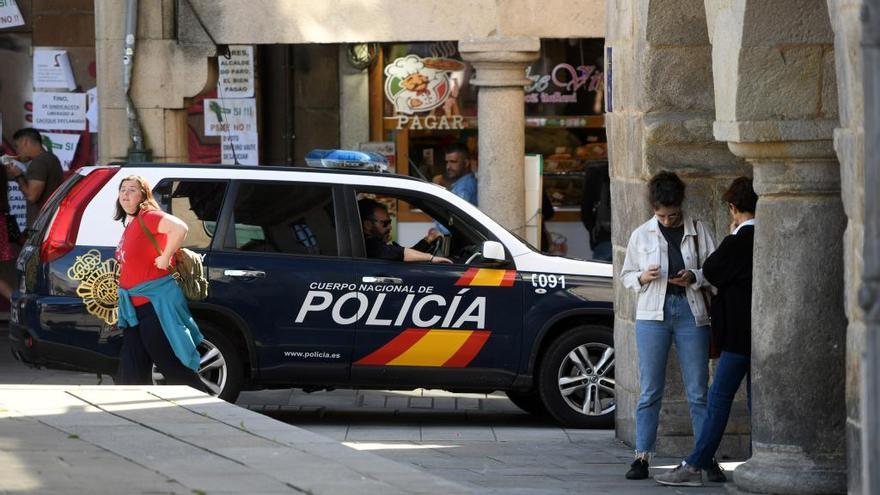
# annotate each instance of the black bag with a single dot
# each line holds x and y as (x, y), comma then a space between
(12, 231)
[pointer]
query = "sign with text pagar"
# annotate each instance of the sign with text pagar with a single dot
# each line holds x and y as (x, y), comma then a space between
(236, 78)
(60, 111)
(10, 16)
(230, 116)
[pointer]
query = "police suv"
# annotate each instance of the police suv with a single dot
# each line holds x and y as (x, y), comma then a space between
(295, 302)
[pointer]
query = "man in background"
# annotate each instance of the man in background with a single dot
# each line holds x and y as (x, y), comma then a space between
(44, 173)
(462, 181)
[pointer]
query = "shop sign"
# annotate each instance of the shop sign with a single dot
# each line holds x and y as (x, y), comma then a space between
(236, 73)
(416, 85)
(10, 16)
(562, 84)
(60, 111)
(230, 116)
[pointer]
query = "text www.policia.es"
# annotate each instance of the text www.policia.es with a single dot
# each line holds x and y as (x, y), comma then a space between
(312, 355)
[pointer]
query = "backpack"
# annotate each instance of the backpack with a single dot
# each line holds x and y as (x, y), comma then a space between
(602, 213)
(189, 272)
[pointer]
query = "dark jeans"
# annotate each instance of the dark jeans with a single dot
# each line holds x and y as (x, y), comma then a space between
(145, 344)
(602, 251)
(729, 374)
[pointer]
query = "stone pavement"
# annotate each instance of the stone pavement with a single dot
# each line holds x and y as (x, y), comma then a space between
(81, 439)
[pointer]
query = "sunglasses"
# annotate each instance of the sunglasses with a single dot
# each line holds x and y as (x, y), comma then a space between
(383, 223)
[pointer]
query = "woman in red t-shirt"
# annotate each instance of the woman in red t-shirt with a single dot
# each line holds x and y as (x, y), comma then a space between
(146, 344)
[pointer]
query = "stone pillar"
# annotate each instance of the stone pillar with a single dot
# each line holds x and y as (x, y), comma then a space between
(500, 65)
(776, 106)
(870, 291)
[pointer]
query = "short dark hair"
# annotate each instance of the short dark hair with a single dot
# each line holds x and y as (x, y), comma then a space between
(741, 195)
(367, 208)
(457, 148)
(665, 189)
(28, 133)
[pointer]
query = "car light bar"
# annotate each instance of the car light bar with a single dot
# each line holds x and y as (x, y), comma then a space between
(347, 159)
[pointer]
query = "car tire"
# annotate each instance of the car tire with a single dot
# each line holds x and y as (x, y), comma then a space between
(221, 369)
(576, 378)
(529, 402)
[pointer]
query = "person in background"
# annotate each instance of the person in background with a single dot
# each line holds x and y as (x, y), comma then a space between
(8, 251)
(462, 181)
(44, 173)
(729, 269)
(596, 210)
(662, 265)
(157, 327)
(376, 224)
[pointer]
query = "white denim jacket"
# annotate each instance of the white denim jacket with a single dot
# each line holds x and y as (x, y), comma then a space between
(646, 247)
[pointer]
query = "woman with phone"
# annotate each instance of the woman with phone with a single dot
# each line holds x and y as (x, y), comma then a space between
(663, 265)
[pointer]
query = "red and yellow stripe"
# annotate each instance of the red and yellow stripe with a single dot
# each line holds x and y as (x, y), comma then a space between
(487, 277)
(429, 347)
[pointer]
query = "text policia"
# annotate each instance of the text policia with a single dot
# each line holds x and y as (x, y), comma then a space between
(419, 308)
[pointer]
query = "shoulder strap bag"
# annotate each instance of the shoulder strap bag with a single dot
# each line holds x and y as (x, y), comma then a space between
(189, 271)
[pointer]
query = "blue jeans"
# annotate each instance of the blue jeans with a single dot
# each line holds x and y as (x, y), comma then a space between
(653, 339)
(729, 374)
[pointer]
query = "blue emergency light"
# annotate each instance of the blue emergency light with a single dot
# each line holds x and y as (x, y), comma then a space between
(347, 159)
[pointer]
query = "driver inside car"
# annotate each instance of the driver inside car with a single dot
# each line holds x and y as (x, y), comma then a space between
(376, 224)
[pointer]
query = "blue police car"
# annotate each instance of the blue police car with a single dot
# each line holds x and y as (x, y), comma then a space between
(294, 300)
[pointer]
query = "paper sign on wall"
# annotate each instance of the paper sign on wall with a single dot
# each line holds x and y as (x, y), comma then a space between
(230, 116)
(17, 204)
(63, 146)
(92, 112)
(10, 16)
(52, 70)
(236, 78)
(245, 148)
(60, 111)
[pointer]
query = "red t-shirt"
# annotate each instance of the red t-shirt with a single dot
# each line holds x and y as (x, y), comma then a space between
(136, 255)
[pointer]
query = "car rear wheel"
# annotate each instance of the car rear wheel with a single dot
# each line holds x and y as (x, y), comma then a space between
(220, 369)
(576, 378)
(529, 402)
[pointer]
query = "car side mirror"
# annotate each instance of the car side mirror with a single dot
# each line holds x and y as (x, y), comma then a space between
(493, 250)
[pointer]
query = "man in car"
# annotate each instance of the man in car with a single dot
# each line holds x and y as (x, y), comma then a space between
(44, 173)
(376, 224)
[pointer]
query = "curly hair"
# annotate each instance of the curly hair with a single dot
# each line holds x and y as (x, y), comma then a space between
(665, 189)
(741, 195)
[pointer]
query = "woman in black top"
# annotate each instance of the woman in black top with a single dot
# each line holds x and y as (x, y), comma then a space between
(729, 269)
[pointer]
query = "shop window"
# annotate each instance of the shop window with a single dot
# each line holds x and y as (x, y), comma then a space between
(197, 203)
(285, 218)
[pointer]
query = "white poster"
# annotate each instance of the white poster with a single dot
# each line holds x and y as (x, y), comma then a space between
(236, 78)
(52, 70)
(241, 149)
(60, 111)
(17, 204)
(92, 112)
(10, 16)
(230, 116)
(63, 146)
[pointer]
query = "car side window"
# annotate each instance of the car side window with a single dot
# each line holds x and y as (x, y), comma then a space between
(285, 218)
(195, 202)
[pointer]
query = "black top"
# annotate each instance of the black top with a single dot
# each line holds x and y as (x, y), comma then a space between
(377, 248)
(673, 237)
(595, 180)
(729, 269)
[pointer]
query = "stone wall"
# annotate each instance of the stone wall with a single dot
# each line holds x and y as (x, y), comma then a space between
(662, 119)
(849, 145)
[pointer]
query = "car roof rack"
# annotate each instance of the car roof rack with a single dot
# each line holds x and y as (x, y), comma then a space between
(347, 159)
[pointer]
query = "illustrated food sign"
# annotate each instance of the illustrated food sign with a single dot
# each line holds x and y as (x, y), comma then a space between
(419, 85)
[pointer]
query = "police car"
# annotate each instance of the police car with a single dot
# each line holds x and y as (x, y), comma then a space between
(295, 302)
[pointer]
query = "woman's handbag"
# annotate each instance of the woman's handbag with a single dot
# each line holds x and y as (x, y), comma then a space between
(189, 271)
(13, 234)
(714, 339)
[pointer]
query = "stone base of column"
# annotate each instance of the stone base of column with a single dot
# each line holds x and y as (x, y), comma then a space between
(794, 473)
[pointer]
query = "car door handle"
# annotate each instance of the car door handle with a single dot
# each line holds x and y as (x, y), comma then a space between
(244, 273)
(382, 280)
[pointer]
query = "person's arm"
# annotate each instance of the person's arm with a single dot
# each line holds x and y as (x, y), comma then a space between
(410, 254)
(727, 262)
(175, 231)
(707, 247)
(32, 185)
(631, 273)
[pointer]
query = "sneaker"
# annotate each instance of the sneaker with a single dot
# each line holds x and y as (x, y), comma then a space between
(682, 475)
(638, 470)
(715, 474)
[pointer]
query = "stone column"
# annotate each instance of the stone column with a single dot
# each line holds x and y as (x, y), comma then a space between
(500, 65)
(870, 291)
(798, 324)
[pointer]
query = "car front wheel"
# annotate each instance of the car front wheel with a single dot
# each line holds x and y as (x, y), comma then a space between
(576, 378)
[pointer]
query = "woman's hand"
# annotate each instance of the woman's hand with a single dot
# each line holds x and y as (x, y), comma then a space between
(683, 278)
(440, 259)
(650, 275)
(163, 262)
